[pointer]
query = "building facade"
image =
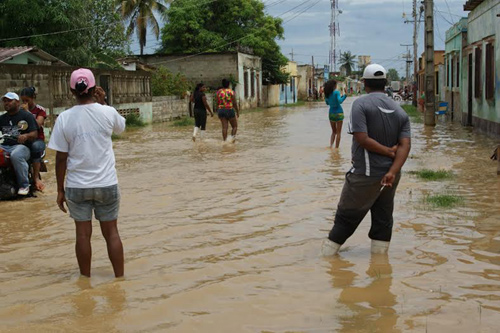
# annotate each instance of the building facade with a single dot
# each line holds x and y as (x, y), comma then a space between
(456, 38)
(243, 70)
(480, 100)
(288, 91)
(438, 75)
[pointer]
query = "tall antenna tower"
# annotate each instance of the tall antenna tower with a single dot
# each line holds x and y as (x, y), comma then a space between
(334, 32)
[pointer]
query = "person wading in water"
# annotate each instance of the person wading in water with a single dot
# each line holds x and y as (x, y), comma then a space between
(226, 105)
(381, 144)
(84, 152)
(200, 110)
(336, 113)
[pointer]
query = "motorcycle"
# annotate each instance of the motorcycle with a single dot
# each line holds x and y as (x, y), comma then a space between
(8, 182)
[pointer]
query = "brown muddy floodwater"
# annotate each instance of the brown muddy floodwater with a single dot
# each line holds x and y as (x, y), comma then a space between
(226, 238)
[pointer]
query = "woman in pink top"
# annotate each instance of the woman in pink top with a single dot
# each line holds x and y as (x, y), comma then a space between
(226, 106)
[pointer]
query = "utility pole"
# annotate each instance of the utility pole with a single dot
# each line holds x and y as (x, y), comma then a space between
(415, 55)
(313, 75)
(292, 54)
(407, 56)
(429, 64)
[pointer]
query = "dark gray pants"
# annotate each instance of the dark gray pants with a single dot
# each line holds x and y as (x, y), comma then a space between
(360, 195)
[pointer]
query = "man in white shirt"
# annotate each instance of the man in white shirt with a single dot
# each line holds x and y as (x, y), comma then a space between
(85, 157)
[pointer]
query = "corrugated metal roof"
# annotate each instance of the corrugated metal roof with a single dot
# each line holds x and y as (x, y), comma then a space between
(7, 53)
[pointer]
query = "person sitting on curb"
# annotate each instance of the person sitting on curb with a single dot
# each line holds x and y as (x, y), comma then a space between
(21, 130)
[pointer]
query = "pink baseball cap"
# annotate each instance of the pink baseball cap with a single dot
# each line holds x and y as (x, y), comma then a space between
(82, 76)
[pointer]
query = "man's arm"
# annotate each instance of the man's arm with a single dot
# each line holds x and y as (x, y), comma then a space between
(373, 146)
(61, 164)
(402, 152)
(28, 137)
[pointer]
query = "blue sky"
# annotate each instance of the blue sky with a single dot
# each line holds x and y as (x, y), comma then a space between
(367, 27)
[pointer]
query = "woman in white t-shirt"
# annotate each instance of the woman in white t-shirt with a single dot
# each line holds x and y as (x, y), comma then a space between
(85, 159)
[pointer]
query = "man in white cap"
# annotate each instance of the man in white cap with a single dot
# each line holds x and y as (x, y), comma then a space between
(82, 139)
(381, 144)
(21, 130)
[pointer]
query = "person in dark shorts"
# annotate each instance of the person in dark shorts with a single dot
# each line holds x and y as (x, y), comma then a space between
(226, 107)
(28, 97)
(85, 170)
(381, 144)
(200, 110)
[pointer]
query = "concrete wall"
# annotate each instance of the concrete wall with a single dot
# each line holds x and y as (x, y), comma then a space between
(271, 96)
(483, 28)
(166, 108)
(207, 68)
(304, 78)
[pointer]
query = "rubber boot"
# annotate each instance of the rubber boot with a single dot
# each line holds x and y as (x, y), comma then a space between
(329, 248)
(196, 129)
(202, 134)
(379, 247)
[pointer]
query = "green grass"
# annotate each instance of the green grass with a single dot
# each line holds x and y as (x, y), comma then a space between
(134, 120)
(115, 137)
(413, 113)
(444, 200)
(185, 121)
(431, 175)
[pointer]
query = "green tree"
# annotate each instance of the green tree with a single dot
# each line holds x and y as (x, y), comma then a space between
(228, 25)
(83, 33)
(348, 61)
(164, 83)
(392, 75)
(140, 15)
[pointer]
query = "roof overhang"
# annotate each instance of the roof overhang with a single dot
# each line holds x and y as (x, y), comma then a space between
(472, 4)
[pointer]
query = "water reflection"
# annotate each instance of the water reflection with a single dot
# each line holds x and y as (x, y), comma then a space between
(368, 297)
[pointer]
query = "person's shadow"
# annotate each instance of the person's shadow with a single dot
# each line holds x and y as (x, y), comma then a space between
(371, 307)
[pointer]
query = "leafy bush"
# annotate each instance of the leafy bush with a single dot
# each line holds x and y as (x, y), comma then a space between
(134, 120)
(164, 83)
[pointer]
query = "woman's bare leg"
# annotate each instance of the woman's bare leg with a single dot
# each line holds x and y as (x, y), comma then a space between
(334, 132)
(339, 132)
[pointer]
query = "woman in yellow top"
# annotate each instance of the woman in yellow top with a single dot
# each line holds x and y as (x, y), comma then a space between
(226, 106)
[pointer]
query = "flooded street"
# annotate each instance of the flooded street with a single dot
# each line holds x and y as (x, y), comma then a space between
(226, 238)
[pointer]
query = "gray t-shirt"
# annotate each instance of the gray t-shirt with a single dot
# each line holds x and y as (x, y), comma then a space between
(385, 122)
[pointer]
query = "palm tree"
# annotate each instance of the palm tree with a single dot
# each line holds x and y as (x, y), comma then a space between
(347, 60)
(140, 16)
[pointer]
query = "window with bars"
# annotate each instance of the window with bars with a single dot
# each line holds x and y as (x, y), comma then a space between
(452, 75)
(448, 75)
(245, 83)
(252, 78)
(478, 91)
(490, 71)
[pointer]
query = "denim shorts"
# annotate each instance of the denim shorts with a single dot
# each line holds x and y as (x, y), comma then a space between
(226, 113)
(103, 201)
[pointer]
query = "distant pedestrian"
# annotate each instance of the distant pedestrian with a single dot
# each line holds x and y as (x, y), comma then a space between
(28, 96)
(380, 147)
(201, 106)
(336, 113)
(226, 107)
(84, 152)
